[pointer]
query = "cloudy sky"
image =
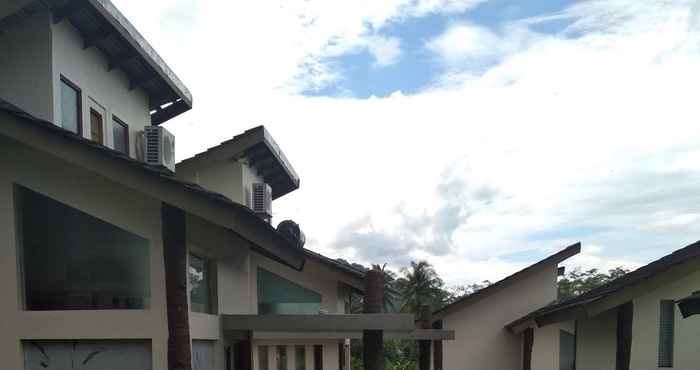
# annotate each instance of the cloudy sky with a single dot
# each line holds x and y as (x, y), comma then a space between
(481, 135)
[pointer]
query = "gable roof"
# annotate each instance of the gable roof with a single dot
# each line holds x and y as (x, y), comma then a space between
(260, 150)
(639, 275)
(501, 284)
(103, 26)
(342, 267)
(211, 206)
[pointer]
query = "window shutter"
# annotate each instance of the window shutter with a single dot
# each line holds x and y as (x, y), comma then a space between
(666, 327)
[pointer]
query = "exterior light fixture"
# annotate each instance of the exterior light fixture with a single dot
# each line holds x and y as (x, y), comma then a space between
(689, 305)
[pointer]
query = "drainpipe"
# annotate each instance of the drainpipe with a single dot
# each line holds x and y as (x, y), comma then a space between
(373, 340)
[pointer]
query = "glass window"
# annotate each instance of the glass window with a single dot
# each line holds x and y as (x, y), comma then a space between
(120, 134)
(73, 261)
(277, 295)
(263, 363)
(567, 350)
(281, 357)
(666, 328)
(70, 106)
(202, 355)
(200, 296)
(299, 357)
(96, 127)
(87, 354)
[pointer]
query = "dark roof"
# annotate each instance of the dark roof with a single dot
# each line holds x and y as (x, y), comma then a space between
(242, 211)
(343, 267)
(257, 146)
(103, 26)
(495, 287)
(662, 264)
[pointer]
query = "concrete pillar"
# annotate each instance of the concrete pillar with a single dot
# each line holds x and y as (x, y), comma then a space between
(175, 258)
(425, 317)
(373, 340)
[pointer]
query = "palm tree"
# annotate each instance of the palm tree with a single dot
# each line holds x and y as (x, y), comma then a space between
(420, 285)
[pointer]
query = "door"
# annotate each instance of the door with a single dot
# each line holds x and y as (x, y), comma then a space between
(96, 127)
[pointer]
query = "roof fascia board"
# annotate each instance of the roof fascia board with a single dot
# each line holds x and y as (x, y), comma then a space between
(167, 190)
(629, 293)
(138, 42)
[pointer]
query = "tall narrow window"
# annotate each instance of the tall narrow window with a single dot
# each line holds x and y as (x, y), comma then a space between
(299, 357)
(666, 327)
(96, 128)
(71, 119)
(281, 357)
(120, 134)
(200, 296)
(567, 350)
(263, 363)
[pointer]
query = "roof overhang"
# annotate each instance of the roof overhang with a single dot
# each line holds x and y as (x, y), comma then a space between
(416, 334)
(45, 137)
(260, 151)
(103, 26)
(554, 259)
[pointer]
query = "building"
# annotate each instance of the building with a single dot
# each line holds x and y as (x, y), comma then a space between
(478, 320)
(632, 322)
(109, 259)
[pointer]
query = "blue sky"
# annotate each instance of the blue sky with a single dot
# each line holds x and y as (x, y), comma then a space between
(417, 69)
(480, 135)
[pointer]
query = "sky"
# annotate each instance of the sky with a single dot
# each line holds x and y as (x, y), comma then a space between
(479, 135)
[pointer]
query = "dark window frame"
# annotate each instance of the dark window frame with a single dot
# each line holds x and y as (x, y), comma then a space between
(79, 103)
(102, 123)
(118, 121)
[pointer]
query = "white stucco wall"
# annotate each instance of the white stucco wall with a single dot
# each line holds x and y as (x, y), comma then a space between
(87, 68)
(545, 348)
(481, 341)
(230, 178)
(25, 66)
(645, 327)
(85, 191)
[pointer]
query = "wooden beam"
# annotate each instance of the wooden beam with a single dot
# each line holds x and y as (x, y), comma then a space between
(416, 334)
(373, 340)
(120, 60)
(62, 12)
(92, 40)
(139, 82)
(319, 323)
(437, 347)
(426, 318)
(175, 260)
(624, 336)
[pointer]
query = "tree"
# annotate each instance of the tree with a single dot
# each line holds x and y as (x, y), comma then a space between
(460, 291)
(420, 285)
(577, 282)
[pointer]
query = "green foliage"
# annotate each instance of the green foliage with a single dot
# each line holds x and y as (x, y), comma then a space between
(577, 282)
(420, 285)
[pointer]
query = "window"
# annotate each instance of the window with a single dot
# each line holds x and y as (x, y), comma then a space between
(299, 357)
(120, 134)
(87, 354)
(666, 328)
(73, 261)
(71, 116)
(281, 357)
(277, 295)
(200, 295)
(96, 128)
(263, 363)
(567, 350)
(202, 355)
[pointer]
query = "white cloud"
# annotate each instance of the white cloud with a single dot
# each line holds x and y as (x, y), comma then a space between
(593, 130)
(386, 50)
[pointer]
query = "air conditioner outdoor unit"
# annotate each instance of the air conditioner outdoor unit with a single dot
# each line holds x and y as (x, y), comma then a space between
(159, 147)
(262, 201)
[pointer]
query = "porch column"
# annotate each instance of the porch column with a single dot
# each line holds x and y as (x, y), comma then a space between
(624, 336)
(425, 318)
(175, 258)
(437, 348)
(373, 340)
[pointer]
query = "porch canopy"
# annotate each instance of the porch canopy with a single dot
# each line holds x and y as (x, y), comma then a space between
(334, 326)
